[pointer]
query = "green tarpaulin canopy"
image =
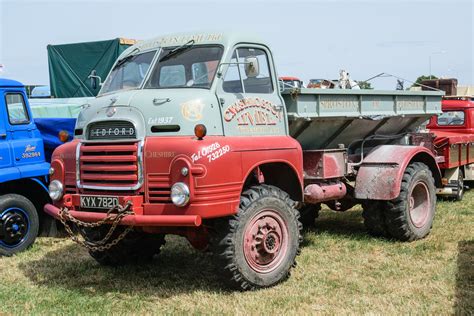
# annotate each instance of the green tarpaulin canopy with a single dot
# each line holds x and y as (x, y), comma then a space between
(71, 64)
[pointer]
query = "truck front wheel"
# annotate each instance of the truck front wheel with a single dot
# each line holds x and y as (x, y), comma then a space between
(19, 224)
(136, 247)
(257, 247)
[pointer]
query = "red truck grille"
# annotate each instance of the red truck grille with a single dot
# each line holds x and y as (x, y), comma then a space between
(159, 188)
(113, 166)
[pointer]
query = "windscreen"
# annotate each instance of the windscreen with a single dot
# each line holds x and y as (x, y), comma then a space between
(190, 67)
(451, 118)
(128, 73)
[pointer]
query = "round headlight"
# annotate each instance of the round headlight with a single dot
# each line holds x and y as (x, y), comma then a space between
(180, 194)
(56, 190)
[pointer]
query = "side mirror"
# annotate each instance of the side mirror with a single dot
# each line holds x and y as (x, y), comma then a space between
(252, 68)
(94, 78)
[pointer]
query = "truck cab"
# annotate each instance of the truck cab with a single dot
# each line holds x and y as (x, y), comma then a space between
(454, 130)
(23, 171)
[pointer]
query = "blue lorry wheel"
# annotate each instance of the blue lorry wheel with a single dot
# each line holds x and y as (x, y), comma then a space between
(19, 224)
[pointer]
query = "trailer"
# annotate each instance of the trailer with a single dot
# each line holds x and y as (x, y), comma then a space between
(192, 135)
(454, 131)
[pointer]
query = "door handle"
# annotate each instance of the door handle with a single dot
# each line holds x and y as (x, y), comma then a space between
(3, 135)
(158, 101)
(278, 107)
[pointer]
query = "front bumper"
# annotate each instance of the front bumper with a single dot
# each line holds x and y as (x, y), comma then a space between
(132, 220)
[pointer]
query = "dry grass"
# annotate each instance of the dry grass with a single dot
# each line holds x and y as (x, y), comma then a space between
(340, 270)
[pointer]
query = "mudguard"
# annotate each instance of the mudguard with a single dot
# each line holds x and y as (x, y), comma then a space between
(380, 174)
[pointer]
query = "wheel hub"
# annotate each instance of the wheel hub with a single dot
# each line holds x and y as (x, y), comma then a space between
(265, 241)
(419, 204)
(13, 227)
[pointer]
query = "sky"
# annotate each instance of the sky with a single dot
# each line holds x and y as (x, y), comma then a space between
(309, 39)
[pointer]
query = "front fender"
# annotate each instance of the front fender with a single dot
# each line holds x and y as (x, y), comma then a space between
(380, 174)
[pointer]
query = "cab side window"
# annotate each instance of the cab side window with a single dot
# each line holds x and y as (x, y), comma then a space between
(16, 108)
(232, 82)
(236, 74)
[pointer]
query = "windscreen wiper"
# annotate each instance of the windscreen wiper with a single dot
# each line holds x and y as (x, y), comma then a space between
(177, 50)
(125, 59)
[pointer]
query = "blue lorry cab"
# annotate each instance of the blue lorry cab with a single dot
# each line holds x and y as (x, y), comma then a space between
(23, 171)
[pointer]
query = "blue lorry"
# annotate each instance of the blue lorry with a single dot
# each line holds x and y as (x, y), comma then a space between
(24, 168)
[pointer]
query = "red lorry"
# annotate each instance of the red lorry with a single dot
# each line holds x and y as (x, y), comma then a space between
(454, 131)
(191, 134)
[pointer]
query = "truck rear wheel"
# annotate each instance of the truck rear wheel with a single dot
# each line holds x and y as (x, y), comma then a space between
(460, 189)
(374, 218)
(257, 247)
(308, 215)
(19, 224)
(409, 216)
(136, 247)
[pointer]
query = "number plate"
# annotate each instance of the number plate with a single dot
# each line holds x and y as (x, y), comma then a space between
(102, 202)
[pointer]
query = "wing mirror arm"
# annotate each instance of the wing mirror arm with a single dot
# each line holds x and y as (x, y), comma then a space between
(94, 79)
(220, 70)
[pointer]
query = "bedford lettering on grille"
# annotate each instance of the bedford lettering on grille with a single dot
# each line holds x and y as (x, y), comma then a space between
(112, 130)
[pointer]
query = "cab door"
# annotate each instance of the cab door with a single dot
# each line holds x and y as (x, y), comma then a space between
(24, 138)
(248, 94)
(5, 153)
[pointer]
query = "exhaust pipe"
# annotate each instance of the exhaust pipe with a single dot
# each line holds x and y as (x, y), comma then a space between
(317, 193)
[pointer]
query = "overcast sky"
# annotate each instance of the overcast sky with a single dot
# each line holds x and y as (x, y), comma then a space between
(309, 39)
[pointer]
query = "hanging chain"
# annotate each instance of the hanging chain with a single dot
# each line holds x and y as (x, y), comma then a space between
(114, 216)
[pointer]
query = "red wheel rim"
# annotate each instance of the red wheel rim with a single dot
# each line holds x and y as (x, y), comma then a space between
(265, 241)
(419, 204)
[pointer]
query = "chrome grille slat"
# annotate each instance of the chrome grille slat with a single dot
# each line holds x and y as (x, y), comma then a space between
(109, 165)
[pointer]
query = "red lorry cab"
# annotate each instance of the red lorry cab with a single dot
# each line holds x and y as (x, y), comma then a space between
(454, 131)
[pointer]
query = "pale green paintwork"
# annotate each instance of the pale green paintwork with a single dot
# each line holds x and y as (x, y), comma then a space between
(190, 106)
(57, 108)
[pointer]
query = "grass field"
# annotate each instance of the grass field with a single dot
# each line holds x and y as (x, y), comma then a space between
(340, 270)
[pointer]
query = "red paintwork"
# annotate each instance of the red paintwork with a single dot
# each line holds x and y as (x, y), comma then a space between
(289, 79)
(319, 164)
(212, 194)
(132, 220)
(317, 193)
(380, 175)
(455, 143)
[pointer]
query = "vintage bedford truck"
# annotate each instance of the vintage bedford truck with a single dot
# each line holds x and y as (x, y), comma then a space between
(190, 135)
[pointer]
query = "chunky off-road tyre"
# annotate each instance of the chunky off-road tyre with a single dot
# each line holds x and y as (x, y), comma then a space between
(374, 218)
(308, 215)
(136, 247)
(257, 247)
(409, 216)
(19, 224)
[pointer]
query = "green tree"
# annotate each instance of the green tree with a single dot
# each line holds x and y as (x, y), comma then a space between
(421, 78)
(365, 85)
